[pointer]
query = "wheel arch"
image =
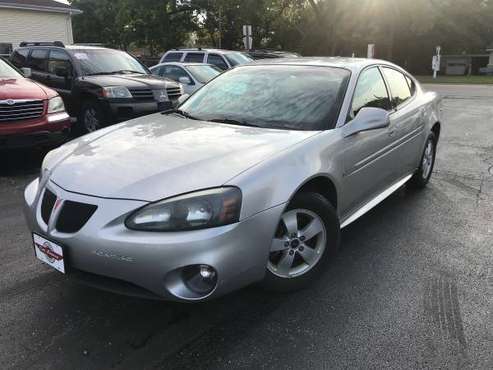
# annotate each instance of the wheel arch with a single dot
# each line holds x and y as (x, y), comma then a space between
(321, 184)
(436, 128)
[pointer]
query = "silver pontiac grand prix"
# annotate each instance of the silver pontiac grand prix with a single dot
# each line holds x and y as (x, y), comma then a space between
(250, 180)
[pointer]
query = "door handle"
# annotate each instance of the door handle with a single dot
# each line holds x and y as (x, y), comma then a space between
(391, 133)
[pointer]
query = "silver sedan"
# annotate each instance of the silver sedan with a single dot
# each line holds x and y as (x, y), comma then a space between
(250, 180)
(192, 76)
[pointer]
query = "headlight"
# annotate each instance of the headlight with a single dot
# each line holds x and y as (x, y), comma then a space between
(199, 210)
(116, 92)
(161, 96)
(55, 105)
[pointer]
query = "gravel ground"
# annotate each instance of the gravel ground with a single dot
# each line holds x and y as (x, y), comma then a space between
(411, 288)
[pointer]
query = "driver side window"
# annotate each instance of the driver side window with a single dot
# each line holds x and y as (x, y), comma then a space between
(370, 92)
(174, 73)
(59, 60)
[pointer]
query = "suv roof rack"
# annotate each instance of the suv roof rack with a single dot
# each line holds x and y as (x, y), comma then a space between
(184, 48)
(95, 44)
(42, 43)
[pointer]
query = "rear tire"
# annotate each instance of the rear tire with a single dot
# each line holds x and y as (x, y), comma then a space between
(423, 174)
(306, 239)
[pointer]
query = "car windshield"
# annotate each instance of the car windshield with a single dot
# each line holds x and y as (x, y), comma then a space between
(204, 74)
(237, 58)
(275, 96)
(7, 71)
(106, 61)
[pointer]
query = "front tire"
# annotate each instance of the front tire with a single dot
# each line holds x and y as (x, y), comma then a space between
(91, 117)
(306, 239)
(423, 174)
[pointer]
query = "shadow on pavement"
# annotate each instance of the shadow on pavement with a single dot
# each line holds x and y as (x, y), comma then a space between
(19, 162)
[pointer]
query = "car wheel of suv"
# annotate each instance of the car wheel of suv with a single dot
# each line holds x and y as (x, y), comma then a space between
(91, 117)
(423, 174)
(305, 240)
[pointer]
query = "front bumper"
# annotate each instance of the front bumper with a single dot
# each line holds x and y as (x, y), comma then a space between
(35, 132)
(104, 252)
(118, 111)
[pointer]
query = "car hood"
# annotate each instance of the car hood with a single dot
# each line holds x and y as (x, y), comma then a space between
(22, 88)
(131, 81)
(157, 156)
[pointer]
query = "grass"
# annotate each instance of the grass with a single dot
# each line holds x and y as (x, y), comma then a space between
(480, 80)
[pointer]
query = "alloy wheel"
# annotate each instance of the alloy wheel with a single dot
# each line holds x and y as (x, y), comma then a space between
(91, 121)
(428, 158)
(298, 245)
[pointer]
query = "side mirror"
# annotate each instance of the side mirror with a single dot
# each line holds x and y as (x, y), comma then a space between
(185, 80)
(61, 72)
(183, 98)
(27, 72)
(368, 118)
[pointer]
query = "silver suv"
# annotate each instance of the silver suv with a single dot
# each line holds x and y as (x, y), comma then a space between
(223, 59)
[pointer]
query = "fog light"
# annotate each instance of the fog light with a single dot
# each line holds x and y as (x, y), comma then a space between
(207, 272)
(201, 279)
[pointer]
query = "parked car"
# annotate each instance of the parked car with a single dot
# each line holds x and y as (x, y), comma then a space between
(271, 54)
(100, 86)
(250, 180)
(191, 75)
(222, 59)
(30, 113)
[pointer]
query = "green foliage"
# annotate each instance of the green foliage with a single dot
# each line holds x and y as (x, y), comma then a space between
(405, 31)
(155, 24)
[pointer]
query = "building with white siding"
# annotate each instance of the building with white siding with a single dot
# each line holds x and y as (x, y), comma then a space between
(35, 20)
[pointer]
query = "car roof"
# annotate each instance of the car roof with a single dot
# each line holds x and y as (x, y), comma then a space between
(219, 51)
(66, 47)
(182, 64)
(353, 64)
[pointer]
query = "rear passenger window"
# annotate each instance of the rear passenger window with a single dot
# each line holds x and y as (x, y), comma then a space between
(370, 92)
(194, 57)
(399, 88)
(172, 57)
(19, 58)
(218, 61)
(37, 60)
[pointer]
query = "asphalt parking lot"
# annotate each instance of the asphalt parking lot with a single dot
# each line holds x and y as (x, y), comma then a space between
(411, 288)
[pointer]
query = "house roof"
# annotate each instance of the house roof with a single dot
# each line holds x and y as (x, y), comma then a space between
(39, 5)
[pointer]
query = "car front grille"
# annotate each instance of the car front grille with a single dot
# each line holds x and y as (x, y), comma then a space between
(173, 93)
(47, 205)
(73, 215)
(142, 94)
(20, 110)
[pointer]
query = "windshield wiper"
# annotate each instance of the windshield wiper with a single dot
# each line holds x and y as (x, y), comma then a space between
(181, 113)
(235, 122)
(98, 73)
(125, 71)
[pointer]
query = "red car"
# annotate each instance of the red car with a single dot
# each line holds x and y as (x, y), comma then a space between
(30, 113)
